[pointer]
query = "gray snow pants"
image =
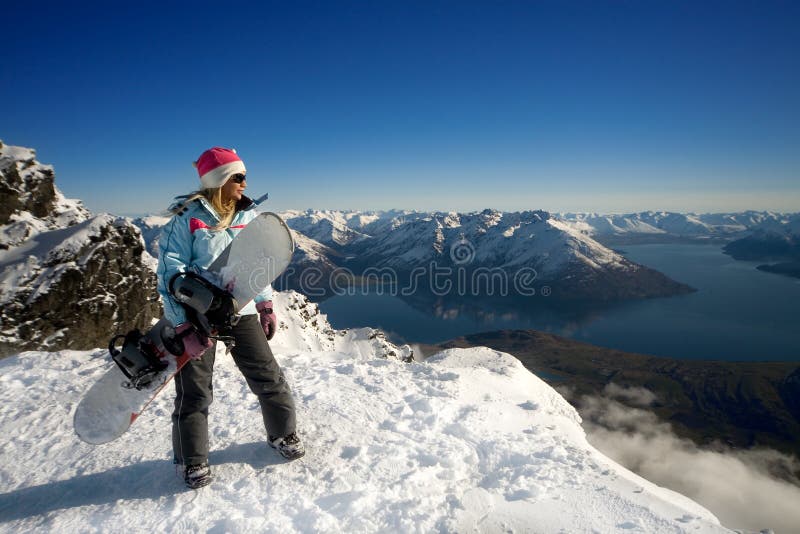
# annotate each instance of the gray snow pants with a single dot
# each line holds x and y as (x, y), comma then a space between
(194, 389)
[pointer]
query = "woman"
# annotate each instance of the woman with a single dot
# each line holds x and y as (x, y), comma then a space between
(203, 224)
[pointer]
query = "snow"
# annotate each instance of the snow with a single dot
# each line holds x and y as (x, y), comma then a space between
(18, 153)
(330, 228)
(22, 224)
(22, 266)
(676, 224)
(467, 441)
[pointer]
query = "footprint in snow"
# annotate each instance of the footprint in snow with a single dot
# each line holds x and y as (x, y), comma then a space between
(447, 376)
(348, 453)
(347, 369)
(631, 525)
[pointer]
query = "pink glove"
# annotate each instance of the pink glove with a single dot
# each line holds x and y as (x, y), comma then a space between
(194, 343)
(269, 322)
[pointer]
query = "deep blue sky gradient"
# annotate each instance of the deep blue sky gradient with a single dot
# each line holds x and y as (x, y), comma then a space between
(590, 106)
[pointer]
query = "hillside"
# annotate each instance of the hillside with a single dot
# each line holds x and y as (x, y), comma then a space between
(742, 404)
(466, 441)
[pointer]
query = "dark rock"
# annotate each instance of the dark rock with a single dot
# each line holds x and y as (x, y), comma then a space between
(25, 186)
(82, 293)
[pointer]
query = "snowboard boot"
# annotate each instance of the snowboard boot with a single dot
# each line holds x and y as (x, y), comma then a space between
(290, 446)
(197, 476)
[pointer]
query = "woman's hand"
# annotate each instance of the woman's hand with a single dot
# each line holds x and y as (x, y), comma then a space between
(269, 322)
(195, 344)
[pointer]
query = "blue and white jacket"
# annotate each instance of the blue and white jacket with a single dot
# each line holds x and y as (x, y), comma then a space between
(188, 243)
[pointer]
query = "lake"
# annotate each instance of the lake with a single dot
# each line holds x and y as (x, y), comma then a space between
(738, 312)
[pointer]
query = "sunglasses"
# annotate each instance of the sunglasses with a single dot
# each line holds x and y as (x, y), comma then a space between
(238, 178)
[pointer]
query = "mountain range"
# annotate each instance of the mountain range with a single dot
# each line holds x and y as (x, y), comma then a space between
(660, 226)
(560, 261)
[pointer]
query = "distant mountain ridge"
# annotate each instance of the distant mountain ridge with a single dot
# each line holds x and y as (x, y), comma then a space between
(781, 247)
(567, 262)
(662, 225)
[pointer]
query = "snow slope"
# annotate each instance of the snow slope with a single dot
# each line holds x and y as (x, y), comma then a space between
(466, 441)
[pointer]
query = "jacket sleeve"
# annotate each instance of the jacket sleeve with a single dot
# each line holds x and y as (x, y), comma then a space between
(175, 256)
(265, 295)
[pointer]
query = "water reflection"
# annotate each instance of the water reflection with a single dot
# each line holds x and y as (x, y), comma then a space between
(429, 318)
(738, 313)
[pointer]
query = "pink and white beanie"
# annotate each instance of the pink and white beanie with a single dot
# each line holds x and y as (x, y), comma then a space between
(216, 165)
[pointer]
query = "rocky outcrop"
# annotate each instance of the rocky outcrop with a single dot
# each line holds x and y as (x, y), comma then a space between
(31, 202)
(67, 280)
(302, 327)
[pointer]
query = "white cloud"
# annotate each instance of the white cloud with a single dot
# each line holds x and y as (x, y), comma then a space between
(633, 395)
(739, 486)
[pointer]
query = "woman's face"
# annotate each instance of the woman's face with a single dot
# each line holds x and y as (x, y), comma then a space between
(233, 189)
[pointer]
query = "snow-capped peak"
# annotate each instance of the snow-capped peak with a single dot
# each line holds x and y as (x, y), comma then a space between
(32, 203)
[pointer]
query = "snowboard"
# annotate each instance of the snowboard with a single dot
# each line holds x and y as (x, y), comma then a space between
(258, 254)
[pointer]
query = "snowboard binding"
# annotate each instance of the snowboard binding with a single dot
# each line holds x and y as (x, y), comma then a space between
(209, 308)
(142, 357)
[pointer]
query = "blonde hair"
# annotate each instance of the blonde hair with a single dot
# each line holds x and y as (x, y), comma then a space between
(225, 210)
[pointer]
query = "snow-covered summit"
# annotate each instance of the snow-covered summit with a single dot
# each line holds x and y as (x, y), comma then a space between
(31, 201)
(467, 441)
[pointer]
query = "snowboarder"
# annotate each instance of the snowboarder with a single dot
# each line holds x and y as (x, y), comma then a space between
(203, 224)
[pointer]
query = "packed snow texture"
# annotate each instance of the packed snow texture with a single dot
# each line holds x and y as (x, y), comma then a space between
(467, 441)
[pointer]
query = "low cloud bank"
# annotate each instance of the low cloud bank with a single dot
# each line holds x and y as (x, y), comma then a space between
(740, 487)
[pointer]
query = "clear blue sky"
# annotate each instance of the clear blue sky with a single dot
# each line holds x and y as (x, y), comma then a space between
(590, 106)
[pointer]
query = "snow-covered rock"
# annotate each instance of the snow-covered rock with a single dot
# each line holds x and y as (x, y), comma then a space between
(467, 441)
(313, 263)
(76, 286)
(31, 201)
(67, 279)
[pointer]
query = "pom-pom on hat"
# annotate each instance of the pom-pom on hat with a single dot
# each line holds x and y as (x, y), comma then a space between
(216, 165)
